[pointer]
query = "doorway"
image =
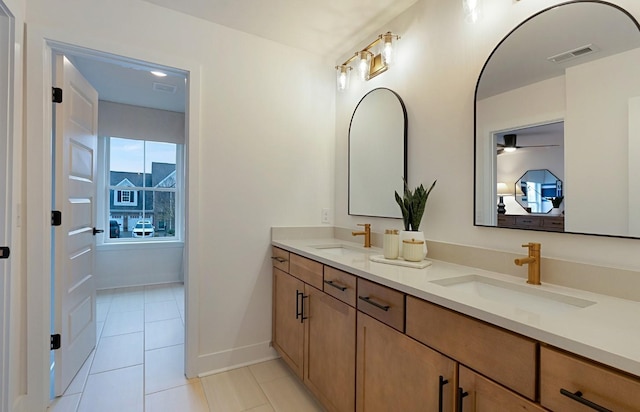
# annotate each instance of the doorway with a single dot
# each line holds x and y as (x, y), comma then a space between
(110, 75)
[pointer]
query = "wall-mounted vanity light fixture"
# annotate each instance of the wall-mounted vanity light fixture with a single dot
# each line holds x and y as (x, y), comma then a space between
(472, 10)
(370, 61)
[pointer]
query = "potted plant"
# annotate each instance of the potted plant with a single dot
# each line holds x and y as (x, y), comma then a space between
(412, 204)
(556, 202)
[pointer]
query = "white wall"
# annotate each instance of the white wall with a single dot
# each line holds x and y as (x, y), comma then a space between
(261, 147)
(440, 58)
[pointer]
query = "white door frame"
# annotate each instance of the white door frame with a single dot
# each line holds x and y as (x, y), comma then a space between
(38, 198)
(7, 56)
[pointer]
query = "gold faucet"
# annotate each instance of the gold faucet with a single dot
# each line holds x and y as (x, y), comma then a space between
(533, 260)
(366, 233)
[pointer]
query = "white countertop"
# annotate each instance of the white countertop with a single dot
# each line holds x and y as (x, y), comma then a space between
(607, 331)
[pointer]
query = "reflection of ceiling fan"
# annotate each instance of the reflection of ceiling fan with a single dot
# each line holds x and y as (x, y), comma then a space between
(511, 146)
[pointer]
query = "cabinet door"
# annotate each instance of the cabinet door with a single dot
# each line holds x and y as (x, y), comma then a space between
(484, 395)
(396, 373)
(330, 331)
(288, 329)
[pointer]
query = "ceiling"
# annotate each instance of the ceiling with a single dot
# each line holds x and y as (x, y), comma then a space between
(523, 57)
(321, 27)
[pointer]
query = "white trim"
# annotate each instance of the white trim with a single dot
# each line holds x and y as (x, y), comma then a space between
(6, 182)
(38, 198)
(228, 359)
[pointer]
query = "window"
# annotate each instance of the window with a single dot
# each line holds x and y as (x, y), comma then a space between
(143, 180)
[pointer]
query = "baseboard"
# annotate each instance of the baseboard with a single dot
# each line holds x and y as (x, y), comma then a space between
(225, 360)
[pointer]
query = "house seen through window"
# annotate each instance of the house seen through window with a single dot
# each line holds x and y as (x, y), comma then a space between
(143, 188)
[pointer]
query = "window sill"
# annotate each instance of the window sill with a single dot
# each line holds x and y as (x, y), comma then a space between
(140, 245)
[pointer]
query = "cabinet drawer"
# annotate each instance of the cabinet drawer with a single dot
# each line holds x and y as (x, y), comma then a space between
(340, 285)
(605, 387)
(527, 221)
(280, 259)
(306, 270)
(555, 223)
(506, 220)
(382, 303)
(505, 357)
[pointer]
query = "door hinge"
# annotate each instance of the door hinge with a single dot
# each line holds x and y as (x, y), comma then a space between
(56, 218)
(55, 342)
(56, 95)
(4, 252)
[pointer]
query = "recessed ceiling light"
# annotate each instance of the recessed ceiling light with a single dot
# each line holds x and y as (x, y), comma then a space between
(158, 73)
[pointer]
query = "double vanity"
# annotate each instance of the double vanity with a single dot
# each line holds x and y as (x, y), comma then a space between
(369, 336)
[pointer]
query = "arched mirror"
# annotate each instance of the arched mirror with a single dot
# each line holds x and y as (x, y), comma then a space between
(377, 154)
(561, 92)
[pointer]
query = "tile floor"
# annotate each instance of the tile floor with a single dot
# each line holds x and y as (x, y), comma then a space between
(138, 365)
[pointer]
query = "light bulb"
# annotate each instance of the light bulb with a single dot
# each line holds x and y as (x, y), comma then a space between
(388, 50)
(364, 64)
(342, 77)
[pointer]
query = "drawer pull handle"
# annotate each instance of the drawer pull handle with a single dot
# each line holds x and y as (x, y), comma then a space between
(302, 317)
(461, 395)
(577, 396)
(335, 285)
(279, 259)
(298, 311)
(441, 383)
(376, 304)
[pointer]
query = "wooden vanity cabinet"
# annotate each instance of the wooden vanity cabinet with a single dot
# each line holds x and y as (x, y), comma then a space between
(396, 373)
(570, 383)
(503, 356)
(350, 351)
(315, 334)
(484, 395)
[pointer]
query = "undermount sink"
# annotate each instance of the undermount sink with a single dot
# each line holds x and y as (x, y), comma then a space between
(337, 249)
(528, 298)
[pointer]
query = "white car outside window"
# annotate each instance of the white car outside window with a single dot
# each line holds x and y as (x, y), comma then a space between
(143, 228)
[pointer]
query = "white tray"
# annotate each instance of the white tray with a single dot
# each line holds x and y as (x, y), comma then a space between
(400, 262)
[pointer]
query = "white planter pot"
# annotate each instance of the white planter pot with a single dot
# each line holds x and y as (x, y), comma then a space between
(408, 234)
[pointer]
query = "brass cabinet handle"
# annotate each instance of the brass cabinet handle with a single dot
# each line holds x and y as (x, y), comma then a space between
(577, 396)
(376, 304)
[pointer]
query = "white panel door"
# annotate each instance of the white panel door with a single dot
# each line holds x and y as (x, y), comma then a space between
(76, 122)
